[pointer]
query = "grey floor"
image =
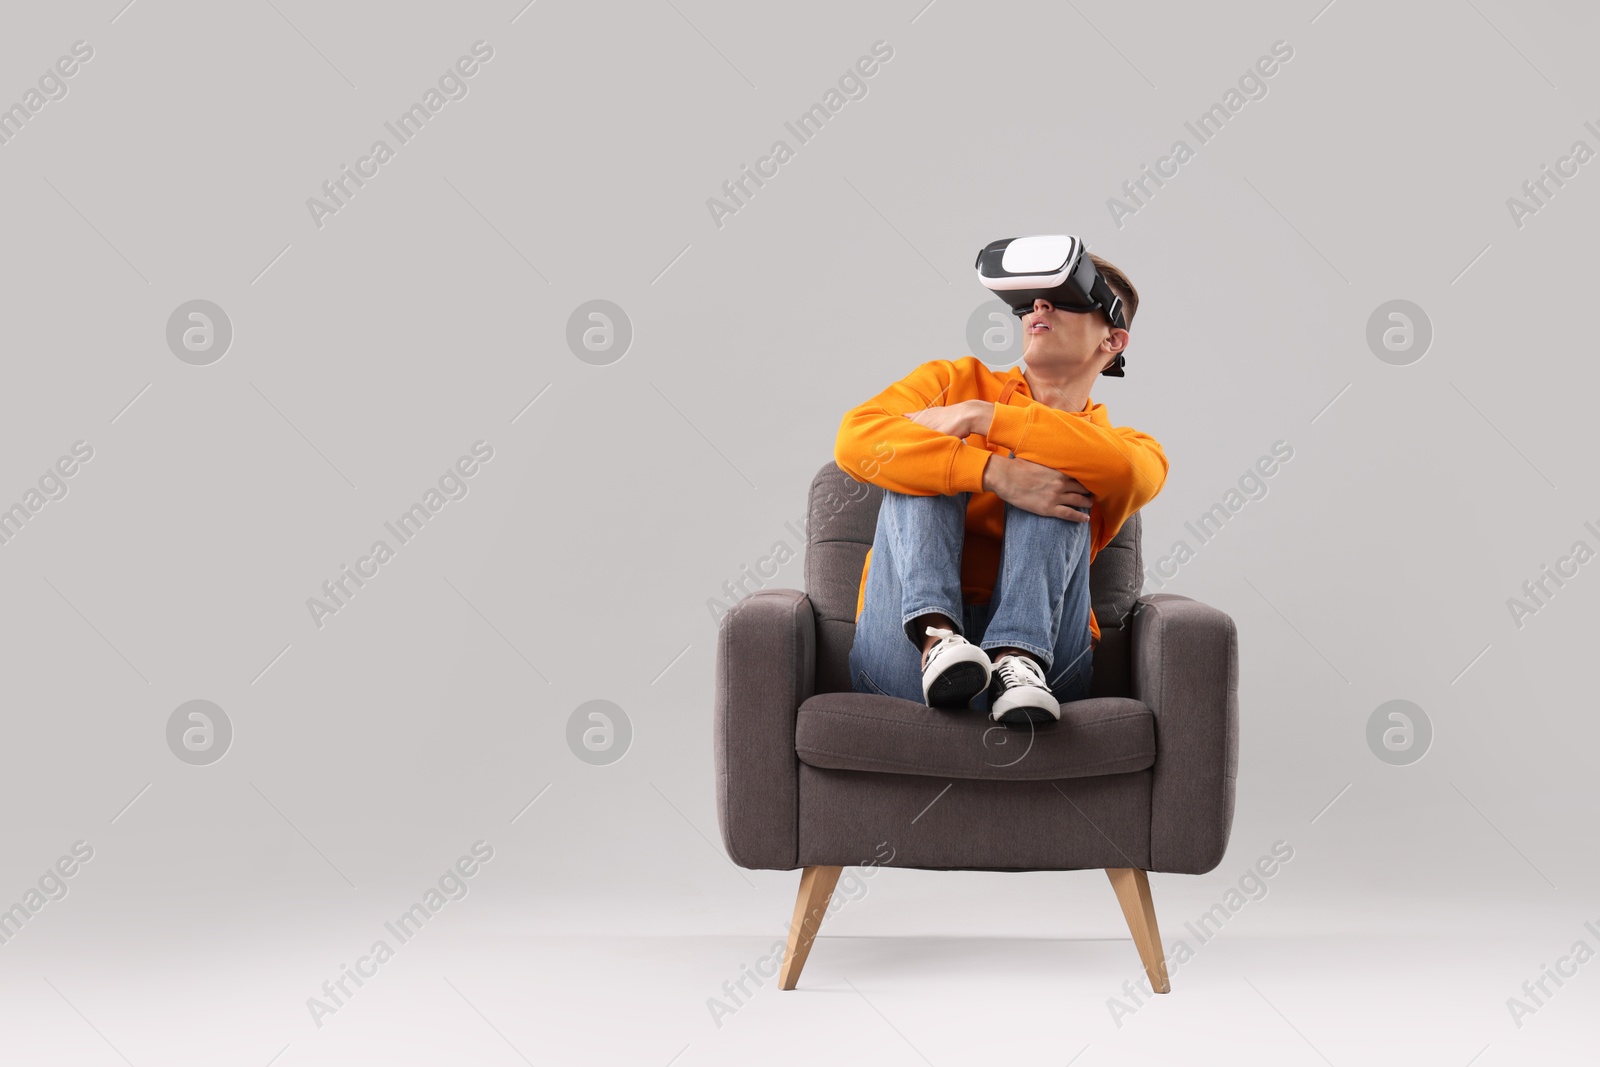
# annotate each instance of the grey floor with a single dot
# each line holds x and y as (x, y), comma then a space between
(913, 967)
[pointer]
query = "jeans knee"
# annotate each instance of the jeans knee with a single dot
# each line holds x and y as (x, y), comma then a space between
(914, 501)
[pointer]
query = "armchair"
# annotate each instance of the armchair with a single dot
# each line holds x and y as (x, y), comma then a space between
(1139, 777)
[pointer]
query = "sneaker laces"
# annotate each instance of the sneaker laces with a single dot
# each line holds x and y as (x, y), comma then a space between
(1019, 670)
(946, 637)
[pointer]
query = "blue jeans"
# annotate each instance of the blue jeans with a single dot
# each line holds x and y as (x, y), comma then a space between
(1040, 601)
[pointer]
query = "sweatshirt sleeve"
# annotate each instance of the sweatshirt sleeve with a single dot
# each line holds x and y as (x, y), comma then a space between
(878, 444)
(1121, 466)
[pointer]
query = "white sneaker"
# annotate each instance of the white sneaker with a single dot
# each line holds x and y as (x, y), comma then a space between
(1018, 692)
(954, 670)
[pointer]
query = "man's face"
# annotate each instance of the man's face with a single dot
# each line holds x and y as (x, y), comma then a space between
(1053, 338)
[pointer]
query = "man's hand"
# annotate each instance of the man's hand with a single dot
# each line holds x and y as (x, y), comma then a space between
(1036, 488)
(956, 420)
(1028, 485)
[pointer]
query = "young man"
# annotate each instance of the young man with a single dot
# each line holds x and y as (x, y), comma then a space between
(1000, 490)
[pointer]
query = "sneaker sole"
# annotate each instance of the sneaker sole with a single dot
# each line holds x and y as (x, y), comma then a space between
(956, 687)
(1024, 714)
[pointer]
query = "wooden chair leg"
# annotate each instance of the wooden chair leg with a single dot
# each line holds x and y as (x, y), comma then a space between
(816, 889)
(1133, 893)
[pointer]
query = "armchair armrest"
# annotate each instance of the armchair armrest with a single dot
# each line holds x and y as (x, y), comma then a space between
(1186, 670)
(766, 668)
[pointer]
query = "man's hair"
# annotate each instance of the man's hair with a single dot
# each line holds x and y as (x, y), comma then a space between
(1120, 285)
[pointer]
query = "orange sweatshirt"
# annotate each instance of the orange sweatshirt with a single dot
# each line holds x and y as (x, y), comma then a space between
(1122, 467)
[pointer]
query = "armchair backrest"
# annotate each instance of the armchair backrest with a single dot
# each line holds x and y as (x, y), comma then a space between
(841, 519)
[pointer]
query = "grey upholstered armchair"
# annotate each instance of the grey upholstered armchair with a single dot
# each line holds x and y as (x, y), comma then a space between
(1137, 778)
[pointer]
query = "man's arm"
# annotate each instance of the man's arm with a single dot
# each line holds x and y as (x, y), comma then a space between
(1121, 466)
(877, 443)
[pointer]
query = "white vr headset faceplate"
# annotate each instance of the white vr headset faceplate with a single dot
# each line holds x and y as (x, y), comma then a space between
(1036, 263)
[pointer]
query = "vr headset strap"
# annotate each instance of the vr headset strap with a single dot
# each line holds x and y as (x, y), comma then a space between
(1111, 303)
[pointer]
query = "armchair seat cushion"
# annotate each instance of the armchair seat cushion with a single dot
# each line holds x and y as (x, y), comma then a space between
(869, 732)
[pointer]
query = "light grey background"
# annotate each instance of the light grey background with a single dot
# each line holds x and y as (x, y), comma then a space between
(429, 313)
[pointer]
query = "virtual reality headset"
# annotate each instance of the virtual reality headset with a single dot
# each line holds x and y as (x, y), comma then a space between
(1057, 268)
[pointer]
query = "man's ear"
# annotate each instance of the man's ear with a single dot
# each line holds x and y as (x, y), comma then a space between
(1114, 342)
